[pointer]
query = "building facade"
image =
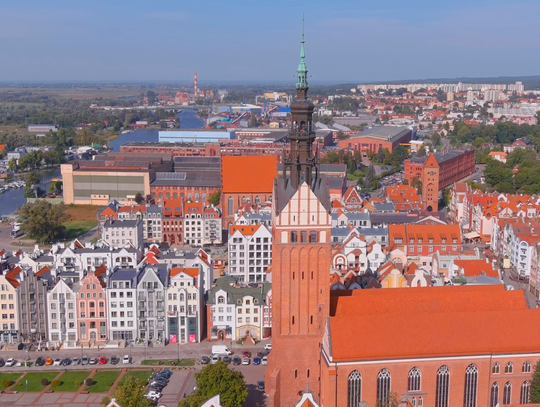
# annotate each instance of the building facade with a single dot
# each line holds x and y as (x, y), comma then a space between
(250, 252)
(62, 304)
(92, 311)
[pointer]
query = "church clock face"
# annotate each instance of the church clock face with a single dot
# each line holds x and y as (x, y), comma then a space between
(431, 173)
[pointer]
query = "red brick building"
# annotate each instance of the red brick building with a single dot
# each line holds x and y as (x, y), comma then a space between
(424, 239)
(378, 137)
(246, 178)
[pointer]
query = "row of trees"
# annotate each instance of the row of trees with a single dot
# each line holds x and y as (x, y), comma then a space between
(520, 173)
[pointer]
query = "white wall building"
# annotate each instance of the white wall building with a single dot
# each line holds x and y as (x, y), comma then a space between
(122, 304)
(62, 305)
(123, 233)
(250, 252)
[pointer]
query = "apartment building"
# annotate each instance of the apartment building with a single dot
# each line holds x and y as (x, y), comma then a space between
(250, 252)
(185, 305)
(122, 304)
(150, 215)
(9, 307)
(123, 233)
(92, 310)
(62, 305)
(151, 286)
(33, 311)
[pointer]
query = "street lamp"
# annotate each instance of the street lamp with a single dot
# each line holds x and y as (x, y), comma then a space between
(178, 348)
(130, 346)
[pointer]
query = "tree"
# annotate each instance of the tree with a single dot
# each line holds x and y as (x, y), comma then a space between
(215, 198)
(43, 220)
(130, 393)
(535, 384)
(370, 177)
(12, 165)
(218, 379)
(55, 187)
(253, 120)
(391, 401)
(421, 152)
(139, 198)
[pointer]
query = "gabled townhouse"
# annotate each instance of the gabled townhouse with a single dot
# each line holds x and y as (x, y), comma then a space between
(358, 255)
(342, 219)
(380, 234)
(176, 258)
(185, 305)
(92, 310)
(442, 263)
(457, 206)
(237, 312)
(33, 312)
(9, 309)
(62, 305)
(250, 252)
(122, 304)
(202, 224)
(151, 286)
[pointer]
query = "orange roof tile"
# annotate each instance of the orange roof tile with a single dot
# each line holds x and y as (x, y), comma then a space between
(248, 174)
(476, 267)
(12, 275)
(191, 271)
(436, 319)
(43, 270)
(246, 230)
(431, 162)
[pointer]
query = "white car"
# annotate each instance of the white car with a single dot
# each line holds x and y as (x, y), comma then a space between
(264, 361)
(57, 362)
(215, 359)
(75, 361)
(10, 362)
(268, 346)
(126, 360)
(246, 361)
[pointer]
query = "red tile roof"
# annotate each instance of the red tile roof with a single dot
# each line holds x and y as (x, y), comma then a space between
(439, 321)
(248, 174)
(246, 230)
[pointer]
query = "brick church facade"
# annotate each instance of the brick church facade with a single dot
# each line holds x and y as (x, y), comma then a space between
(470, 346)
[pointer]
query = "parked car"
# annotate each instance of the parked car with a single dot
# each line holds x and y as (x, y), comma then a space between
(246, 354)
(246, 361)
(126, 360)
(102, 360)
(256, 361)
(215, 359)
(205, 360)
(264, 360)
(260, 384)
(268, 346)
(39, 361)
(227, 360)
(114, 360)
(57, 362)
(76, 361)
(49, 361)
(236, 361)
(2, 362)
(66, 362)
(93, 361)
(10, 362)
(85, 360)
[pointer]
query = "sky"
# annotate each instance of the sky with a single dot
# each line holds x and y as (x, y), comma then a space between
(347, 41)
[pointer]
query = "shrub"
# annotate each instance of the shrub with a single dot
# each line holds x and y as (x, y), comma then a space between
(78, 383)
(89, 382)
(44, 382)
(56, 383)
(105, 401)
(7, 383)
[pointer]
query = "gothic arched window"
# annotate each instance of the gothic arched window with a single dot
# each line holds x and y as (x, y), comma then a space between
(471, 386)
(414, 379)
(494, 395)
(383, 387)
(441, 390)
(507, 394)
(525, 393)
(354, 389)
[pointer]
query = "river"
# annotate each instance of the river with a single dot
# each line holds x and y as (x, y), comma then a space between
(13, 199)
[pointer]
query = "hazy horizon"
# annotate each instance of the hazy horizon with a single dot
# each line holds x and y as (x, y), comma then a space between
(248, 41)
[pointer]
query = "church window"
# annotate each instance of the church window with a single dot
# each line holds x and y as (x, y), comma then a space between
(441, 390)
(471, 386)
(525, 393)
(293, 275)
(414, 379)
(420, 401)
(526, 368)
(354, 393)
(509, 368)
(307, 373)
(494, 401)
(230, 205)
(312, 275)
(293, 319)
(302, 275)
(303, 236)
(311, 319)
(383, 387)
(313, 237)
(257, 199)
(507, 394)
(496, 368)
(294, 237)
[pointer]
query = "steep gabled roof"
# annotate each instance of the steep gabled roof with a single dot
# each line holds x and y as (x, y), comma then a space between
(249, 174)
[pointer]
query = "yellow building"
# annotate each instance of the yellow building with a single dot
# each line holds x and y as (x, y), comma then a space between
(394, 279)
(9, 308)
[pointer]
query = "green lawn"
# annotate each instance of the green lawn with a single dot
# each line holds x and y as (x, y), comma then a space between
(103, 381)
(141, 375)
(75, 228)
(168, 362)
(68, 380)
(34, 381)
(8, 376)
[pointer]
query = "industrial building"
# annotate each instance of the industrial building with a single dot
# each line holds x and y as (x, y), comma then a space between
(196, 135)
(374, 138)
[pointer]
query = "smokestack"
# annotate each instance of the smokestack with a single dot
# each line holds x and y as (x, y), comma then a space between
(195, 83)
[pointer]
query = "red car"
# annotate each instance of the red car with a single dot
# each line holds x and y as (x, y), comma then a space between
(102, 360)
(247, 354)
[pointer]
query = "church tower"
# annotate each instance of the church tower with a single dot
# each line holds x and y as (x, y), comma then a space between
(430, 184)
(301, 229)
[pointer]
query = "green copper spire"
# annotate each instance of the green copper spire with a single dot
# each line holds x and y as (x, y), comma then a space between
(302, 68)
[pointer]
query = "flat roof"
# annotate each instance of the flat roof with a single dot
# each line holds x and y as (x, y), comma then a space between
(388, 133)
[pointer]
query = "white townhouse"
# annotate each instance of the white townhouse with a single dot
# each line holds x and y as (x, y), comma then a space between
(122, 304)
(62, 305)
(250, 252)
